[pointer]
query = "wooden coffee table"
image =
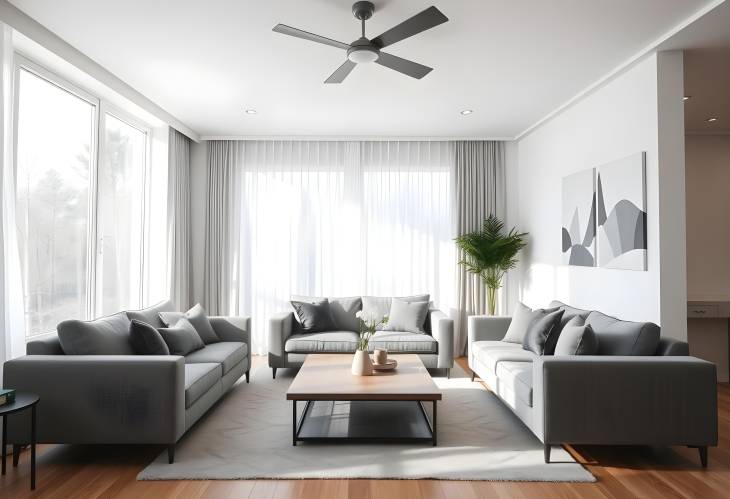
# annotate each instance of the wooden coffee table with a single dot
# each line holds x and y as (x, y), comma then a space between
(341, 407)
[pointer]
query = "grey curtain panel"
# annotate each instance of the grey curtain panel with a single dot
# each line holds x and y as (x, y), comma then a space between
(479, 190)
(179, 239)
(218, 271)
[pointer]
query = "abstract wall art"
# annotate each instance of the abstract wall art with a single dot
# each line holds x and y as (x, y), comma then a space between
(579, 219)
(621, 213)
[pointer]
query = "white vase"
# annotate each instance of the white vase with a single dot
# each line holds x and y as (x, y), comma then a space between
(361, 363)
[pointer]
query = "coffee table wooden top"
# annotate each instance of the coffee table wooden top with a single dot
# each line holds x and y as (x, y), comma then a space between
(328, 377)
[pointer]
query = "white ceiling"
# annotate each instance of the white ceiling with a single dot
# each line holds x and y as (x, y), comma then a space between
(512, 62)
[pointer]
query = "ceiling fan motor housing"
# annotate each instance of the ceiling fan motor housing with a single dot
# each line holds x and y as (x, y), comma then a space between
(361, 51)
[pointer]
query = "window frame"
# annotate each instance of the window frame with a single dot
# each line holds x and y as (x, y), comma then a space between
(101, 108)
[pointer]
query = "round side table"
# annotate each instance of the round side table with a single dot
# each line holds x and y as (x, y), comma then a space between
(23, 400)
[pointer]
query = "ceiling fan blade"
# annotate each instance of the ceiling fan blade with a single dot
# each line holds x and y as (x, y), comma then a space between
(341, 73)
(422, 21)
(410, 68)
(288, 30)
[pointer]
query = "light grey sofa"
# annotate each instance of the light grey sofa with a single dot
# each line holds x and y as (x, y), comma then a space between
(639, 390)
(288, 346)
(126, 399)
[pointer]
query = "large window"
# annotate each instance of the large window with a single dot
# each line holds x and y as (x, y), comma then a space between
(339, 219)
(80, 171)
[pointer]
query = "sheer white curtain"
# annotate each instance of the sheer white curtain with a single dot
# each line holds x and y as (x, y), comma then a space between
(337, 219)
(12, 320)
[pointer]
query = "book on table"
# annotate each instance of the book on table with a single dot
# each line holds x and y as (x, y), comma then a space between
(7, 397)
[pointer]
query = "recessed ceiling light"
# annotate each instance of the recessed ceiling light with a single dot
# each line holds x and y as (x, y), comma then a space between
(711, 119)
(466, 112)
(251, 111)
(687, 97)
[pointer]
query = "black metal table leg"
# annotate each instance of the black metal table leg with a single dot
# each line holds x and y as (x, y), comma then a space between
(294, 423)
(5, 437)
(32, 448)
(434, 424)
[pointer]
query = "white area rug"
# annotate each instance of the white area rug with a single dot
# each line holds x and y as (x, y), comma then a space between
(248, 435)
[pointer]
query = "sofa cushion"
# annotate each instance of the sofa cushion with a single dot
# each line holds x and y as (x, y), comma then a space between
(343, 310)
(182, 338)
(226, 353)
(542, 335)
(491, 353)
(314, 317)
(404, 342)
(151, 315)
(198, 318)
(328, 342)
(104, 336)
(568, 313)
(577, 339)
(617, 337)
(517, 377)
(199, 378)
(146, 340)
(407, 316)
(521, 321)
(380, 305)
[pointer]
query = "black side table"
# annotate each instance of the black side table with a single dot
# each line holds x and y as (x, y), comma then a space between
(22, 401)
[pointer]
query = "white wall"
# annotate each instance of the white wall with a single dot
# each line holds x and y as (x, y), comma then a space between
(617, 120)
(198, 153)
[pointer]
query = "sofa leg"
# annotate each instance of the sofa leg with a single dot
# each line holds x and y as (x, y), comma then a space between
(16, 455)
(171, 453)
(247, 373)
(273, 372)
(448, 373)
(547, 453)
(703, 455)
(472, 375)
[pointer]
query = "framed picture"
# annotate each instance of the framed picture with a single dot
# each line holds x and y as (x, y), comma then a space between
(579, 219)
(621, 213)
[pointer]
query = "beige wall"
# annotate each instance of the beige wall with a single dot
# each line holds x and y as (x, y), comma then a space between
(708, 241)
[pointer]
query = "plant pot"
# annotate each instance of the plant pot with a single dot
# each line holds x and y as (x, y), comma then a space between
(361, 363)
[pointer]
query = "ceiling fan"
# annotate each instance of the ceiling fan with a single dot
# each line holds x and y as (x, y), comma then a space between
(363, 50)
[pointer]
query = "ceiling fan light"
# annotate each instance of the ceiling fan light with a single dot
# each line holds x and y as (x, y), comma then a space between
(361, 55)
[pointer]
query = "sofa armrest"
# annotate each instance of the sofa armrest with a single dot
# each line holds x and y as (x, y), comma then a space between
(487, 327)
(106, 399)
(442, 329)
(632, 400)
(280, 328)
(232, 328)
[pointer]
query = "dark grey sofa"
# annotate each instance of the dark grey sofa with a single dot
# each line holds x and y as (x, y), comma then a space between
(640, 389)
(126, 399)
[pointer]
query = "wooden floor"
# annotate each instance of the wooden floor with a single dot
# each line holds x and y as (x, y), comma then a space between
(110, 471)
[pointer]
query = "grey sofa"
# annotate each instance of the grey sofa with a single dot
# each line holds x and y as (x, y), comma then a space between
(126, 399)
(288, 346)
(639, 390)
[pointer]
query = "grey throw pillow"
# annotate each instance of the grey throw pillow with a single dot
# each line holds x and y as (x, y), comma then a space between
(523, 317)
(182, 338)
(197, 318)
(343, 310)
(379, 306)
(314, 317)
(407, 316)
(104, 336)
(577, 338)
(542, 335)
(146, 340)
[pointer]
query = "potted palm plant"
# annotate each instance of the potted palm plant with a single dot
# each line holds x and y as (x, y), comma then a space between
(490, 253)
